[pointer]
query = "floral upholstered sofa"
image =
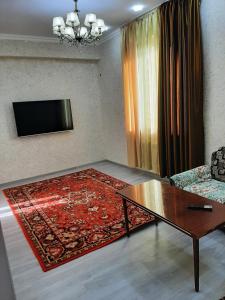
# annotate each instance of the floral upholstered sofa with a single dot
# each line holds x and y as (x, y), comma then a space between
(207, 181)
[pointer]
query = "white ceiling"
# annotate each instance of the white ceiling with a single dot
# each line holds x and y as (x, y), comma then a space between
(34, 17)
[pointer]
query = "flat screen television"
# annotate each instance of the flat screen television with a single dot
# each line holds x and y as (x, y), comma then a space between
(37, 117)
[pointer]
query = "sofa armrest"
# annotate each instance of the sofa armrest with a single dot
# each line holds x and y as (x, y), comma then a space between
(188, 177)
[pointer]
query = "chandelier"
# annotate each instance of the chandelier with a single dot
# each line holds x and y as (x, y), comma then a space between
(75, 34)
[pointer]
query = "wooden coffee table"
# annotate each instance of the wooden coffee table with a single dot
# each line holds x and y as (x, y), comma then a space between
(169, 204)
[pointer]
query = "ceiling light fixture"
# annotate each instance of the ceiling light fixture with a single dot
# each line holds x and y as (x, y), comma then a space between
(137, 7)
(75, 34)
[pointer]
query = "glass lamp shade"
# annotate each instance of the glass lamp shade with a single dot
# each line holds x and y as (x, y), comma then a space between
(95, 31)
(89, 19)
(83, 32)
(58, 21)
(86, 21)
(60, 30)
(92, 18)
(100, 23)
(69, 32)
(72, 19)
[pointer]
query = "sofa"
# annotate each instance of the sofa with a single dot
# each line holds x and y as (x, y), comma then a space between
(207, 181)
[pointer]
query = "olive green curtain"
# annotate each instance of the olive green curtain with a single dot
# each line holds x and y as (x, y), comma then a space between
(140, 77)
(181, 132)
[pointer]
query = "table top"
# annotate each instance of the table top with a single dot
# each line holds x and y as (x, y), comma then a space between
(169, 204)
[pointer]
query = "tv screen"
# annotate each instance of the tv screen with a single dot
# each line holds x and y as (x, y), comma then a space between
(36, 117)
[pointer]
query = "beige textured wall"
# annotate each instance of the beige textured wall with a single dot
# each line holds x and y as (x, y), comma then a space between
(34, 79)
(98, 111)
(37, 49)
(112, 100)
(213, 27)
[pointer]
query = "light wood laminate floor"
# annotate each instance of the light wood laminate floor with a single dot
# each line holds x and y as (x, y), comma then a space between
(154, 263)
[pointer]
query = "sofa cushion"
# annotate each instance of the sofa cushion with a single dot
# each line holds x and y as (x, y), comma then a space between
(218, 164)
(188, 177)
(211, 189)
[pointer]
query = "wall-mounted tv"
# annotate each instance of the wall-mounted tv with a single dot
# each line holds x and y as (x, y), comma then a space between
(45, 116)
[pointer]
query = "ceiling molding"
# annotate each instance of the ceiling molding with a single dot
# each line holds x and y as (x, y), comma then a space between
(47, 58)
(109, 36)
(32, 38)
(29, 38)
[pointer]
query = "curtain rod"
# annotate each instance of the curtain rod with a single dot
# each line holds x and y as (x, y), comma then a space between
(144, 14)
(147, 12)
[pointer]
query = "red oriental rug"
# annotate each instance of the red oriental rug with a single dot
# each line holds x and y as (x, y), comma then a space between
(66, 217)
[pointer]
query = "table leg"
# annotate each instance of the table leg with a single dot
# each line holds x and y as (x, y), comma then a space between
(156, 221)
(196, 263)
(126, 217)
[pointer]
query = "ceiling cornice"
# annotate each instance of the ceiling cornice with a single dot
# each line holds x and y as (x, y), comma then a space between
(32, 38)
(29, 38)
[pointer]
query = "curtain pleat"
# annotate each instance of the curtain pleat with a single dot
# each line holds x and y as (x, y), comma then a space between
(181, 138)
(140, 75)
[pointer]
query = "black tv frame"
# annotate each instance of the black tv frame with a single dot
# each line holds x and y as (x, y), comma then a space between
(26, 132)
